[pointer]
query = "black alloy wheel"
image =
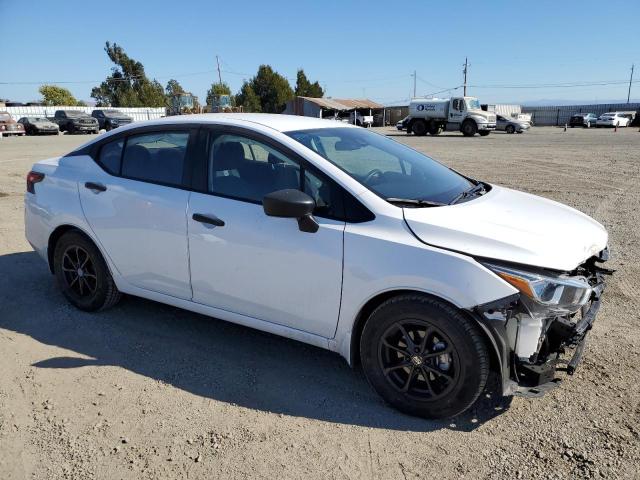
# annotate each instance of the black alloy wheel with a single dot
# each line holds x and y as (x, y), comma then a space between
(418, 359)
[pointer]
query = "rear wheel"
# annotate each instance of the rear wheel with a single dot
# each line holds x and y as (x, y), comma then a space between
(82, 273)
(419, 128)
(424, 357)
(435, 129)
(469, 128)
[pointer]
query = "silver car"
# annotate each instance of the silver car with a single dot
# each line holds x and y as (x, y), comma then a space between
(511, 125)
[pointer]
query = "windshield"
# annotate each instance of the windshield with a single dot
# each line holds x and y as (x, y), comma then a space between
(37, 119)
(473, 104)
(112, 113)
(384, 166)
(75, 114)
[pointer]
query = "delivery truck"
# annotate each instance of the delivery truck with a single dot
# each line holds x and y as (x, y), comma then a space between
(433, 115)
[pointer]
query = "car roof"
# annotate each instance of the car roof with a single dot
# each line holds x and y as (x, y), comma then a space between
(279, 122)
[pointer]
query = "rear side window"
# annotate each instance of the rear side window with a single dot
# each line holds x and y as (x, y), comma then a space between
(110, 155)
(156, 157)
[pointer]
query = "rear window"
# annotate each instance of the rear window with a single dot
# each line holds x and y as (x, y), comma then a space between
(155, 157)
(110, 156)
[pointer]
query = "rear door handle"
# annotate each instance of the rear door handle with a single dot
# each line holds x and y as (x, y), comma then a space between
(208, 219)
(96, 187)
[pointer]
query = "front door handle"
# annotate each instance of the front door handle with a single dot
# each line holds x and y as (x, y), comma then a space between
(208, 219)
(97, 187)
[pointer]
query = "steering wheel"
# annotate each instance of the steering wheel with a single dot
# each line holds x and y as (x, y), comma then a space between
(376, 172)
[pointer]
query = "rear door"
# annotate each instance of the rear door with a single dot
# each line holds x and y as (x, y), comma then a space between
(263, 267)
(136, 205)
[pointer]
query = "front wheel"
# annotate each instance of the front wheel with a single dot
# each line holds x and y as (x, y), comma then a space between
(510, 129)
(424, 357)
(82, 273)
(469, 128)
(484, 133)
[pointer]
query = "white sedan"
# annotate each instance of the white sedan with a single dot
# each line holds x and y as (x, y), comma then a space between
(613, 119)
(328, 234)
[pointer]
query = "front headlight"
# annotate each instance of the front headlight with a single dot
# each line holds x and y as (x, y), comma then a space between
(547, 295)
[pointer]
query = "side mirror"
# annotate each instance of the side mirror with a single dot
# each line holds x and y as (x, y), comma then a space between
(291, 203)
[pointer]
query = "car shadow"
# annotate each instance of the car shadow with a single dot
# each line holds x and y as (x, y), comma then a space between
(206, 357)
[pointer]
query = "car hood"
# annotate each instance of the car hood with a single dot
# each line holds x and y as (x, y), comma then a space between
(511, 226)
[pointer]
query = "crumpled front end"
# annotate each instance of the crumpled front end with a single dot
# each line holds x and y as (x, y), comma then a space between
(537, 337)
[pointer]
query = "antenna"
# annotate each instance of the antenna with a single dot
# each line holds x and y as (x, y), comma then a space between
(466, 68)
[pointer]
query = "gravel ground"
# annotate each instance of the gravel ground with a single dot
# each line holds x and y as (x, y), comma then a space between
(150, 391)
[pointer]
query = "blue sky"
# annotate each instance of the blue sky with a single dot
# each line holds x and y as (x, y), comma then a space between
(353, 48)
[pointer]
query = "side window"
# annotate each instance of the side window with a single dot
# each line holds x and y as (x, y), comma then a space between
(110, 155)
(247, 169)
(327, 195)
(156, 157)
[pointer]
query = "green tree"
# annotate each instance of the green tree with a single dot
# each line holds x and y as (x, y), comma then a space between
(173, 87)
(218, 89)
(248, 99)
(54, 95)
(304, 88)
(128, 85)
(272, 89)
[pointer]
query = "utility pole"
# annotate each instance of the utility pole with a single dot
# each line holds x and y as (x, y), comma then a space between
(414, 84)
(219, 76)
(630, 81)
(466, 67)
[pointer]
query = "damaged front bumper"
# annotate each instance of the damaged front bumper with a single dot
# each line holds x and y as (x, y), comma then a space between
(552, 345)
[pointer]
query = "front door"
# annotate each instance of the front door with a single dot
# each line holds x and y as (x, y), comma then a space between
(137, 208)
(260, 266)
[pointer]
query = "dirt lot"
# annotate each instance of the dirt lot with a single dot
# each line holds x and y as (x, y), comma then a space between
(149, 391)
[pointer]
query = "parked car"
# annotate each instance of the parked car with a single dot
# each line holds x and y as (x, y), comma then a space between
(39, 126)
(75, 121)
(8, 126)
(613, 119)
(332, 235)
(402, 124)
(511, 125)
(110, 119)
(583, 120)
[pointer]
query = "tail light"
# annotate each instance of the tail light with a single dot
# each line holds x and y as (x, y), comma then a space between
(32, 179)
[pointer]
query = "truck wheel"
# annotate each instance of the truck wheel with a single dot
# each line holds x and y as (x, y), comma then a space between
(510, 129)
(484, 133)
(469, 128)
(435, 129)
(424, 357)
(419, 128)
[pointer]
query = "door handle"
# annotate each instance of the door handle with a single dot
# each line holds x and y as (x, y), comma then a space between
(96, 187)
(208, 219)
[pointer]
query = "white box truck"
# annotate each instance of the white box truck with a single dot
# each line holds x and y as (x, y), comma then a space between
(433, 115)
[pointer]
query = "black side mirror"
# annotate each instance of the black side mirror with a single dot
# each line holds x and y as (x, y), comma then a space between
(291, 203)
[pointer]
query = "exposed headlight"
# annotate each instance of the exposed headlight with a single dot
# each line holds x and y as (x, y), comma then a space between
(547, 295)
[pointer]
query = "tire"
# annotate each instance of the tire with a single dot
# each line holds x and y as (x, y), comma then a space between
(435, 129)
(469, 128)
(419, 128)
(510, 129)
(93, 288)
(431, 393)
(484, 133)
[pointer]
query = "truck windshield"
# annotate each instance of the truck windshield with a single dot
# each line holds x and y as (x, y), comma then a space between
(384, 166)
(473, 104)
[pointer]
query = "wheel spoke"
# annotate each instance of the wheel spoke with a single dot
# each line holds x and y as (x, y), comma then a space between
(407, 338)
(80, 285)
(396, 367)
(75, 279)
(427, 380)
(423, 344)
(438, 372)
(397, 349)
(436, 354)
(409, 378)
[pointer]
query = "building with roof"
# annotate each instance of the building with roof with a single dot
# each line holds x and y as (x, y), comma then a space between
(334, 108)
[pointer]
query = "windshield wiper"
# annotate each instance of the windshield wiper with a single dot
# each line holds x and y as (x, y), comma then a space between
(414, 202)
(478, 188)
